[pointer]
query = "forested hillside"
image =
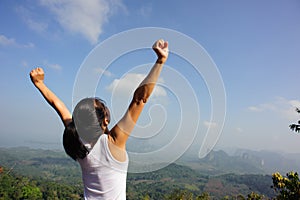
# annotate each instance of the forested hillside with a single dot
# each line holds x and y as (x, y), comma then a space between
(51, 174)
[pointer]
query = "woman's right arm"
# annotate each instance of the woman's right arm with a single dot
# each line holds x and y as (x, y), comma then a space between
(37, 78)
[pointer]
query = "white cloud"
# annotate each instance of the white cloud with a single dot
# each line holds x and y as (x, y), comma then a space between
(210, 124)
(55, 66)
(280, 105)
(39, 27)
(239, 130)
(5, 41)
(103, 71)
(262, 107)
(30, 18)
(145, 10)
(52, 66)
(159, 91)
(290, 113)
(255, 108)
(294, 103)
(126, 85)
(83, 17)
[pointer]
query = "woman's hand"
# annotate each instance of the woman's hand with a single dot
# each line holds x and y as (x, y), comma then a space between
(162, 51)
(37, 76)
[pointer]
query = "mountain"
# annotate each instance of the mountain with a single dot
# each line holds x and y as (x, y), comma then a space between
(219, 173)
(243, 161)
(271, 162)
(179, 177)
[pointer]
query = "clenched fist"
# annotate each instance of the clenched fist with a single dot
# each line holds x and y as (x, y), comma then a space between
(37, 76)
(161, 49)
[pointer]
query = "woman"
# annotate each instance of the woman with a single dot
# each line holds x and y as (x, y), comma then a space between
(100, 152)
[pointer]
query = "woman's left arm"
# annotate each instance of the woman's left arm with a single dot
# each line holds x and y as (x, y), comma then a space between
(123, 128)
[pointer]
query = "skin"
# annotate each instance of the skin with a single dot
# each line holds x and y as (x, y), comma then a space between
(121, 131)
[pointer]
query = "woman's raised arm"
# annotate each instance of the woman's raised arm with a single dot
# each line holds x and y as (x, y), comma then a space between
(37, 78)
(123, 128)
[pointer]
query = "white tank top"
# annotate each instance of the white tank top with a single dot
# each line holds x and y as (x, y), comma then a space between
(103, 176)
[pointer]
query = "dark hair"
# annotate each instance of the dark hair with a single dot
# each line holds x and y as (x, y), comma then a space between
(87, 119)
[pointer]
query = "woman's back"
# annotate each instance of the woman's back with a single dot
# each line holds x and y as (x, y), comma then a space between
(103, 176)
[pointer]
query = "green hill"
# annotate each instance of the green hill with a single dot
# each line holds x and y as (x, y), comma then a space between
(53, 169)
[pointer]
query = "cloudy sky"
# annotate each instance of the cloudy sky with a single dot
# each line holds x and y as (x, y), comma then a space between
(254, 45)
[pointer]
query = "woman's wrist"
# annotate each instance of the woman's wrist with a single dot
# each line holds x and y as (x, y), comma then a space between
(39, 84)
(161, 60)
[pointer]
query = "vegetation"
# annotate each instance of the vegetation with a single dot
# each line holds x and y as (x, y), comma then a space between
(44, 174)
(287, 187)
(13, 186)
(296, 127)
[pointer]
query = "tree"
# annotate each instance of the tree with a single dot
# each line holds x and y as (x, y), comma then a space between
(255, 196)
(203, 196)
(179, 194)
(182, 194)
(296, 127)
(286, 187)
(31, 192)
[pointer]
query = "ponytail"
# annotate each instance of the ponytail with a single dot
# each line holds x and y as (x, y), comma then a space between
(72, 144)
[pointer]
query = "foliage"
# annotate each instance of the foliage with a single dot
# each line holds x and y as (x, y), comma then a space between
(31, 192)
(287, 187)
(160, 183)
(258, 184)
(178, 194)
(13, 186)
(296, 127)
(35, 163)
(18, 187)
(45, 174)
(255, 196)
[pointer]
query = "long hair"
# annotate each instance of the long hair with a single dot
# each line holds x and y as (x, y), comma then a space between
(86, 125)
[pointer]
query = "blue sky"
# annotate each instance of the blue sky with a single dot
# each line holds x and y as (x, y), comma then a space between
(254, 44)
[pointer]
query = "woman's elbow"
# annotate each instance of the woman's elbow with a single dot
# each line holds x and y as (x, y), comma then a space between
(141, 95)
